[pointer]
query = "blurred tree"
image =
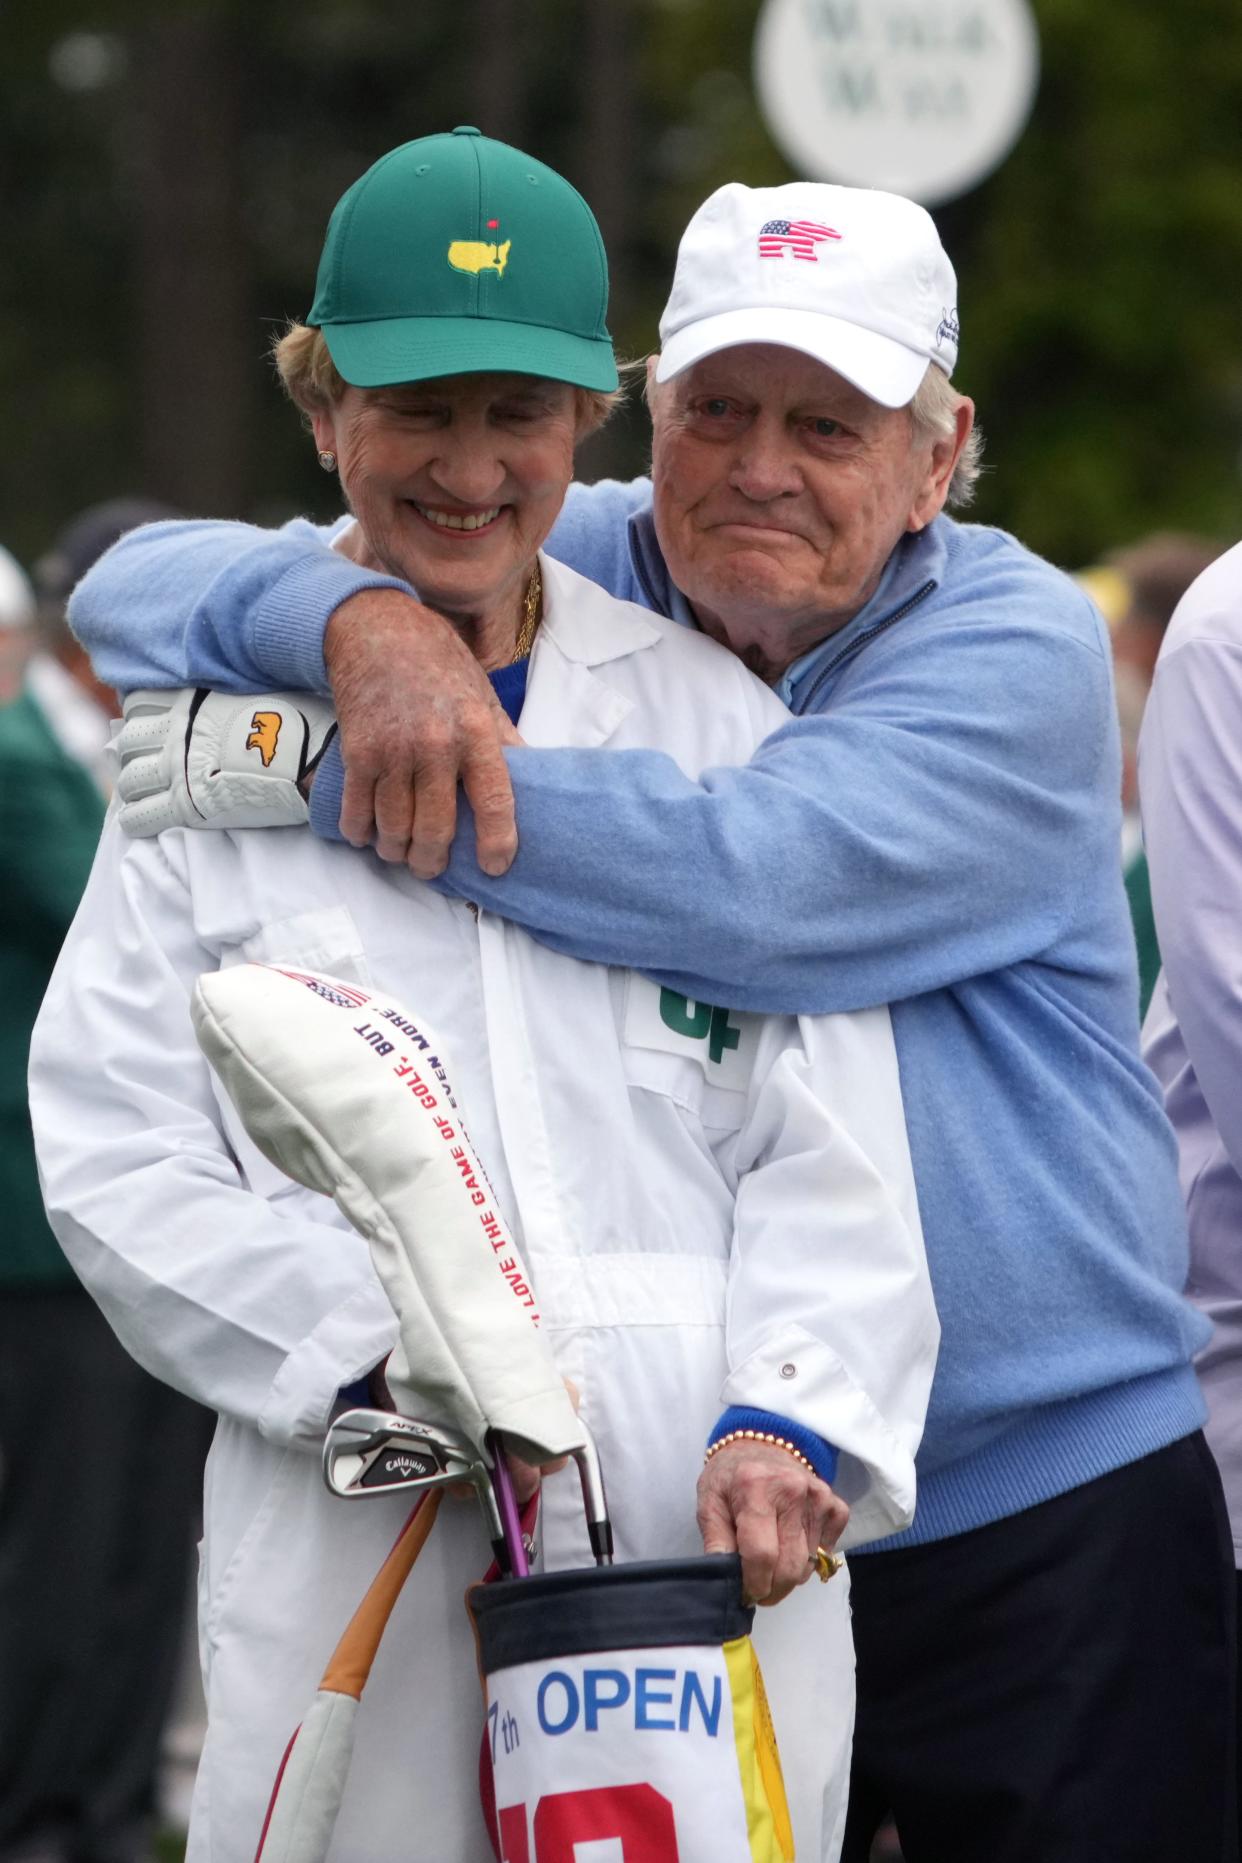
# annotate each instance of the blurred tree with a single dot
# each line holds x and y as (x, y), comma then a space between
(194, 383)
(1098, 269)
(1102, 280)
(170, 168)
(503, 69)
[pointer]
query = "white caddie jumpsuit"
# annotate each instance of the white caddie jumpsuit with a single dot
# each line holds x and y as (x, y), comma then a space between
(718, 1209)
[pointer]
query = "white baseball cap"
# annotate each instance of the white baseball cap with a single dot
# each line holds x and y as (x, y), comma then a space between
(852, 276)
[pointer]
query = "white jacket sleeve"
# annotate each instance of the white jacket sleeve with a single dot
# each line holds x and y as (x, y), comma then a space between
(259, 1311)
(831, 1320)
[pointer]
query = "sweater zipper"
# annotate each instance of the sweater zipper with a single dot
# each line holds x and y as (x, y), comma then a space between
(856, 646)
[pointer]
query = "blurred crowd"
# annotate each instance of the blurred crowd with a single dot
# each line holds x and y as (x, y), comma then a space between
(1136, 588)
(100, 1465)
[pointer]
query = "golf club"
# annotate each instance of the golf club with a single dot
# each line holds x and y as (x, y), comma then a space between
(370, 1452)
(377, 1452)
(515, 1561)
(594, 1500)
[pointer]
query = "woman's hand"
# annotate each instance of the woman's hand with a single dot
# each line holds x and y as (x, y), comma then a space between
(760, 1501)
(526, 1476)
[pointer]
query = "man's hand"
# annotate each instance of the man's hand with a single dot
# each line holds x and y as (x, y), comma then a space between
(417, 716)
(759, 1501)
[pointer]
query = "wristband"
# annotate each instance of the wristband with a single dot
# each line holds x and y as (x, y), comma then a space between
(756, 1436)
(743, 1420)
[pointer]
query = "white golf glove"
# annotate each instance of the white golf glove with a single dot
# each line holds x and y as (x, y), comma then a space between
(201, 759)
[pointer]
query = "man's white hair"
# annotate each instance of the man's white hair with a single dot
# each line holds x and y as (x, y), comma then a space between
(933, 411)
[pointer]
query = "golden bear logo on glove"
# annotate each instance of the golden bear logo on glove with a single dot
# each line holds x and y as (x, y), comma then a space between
(264, 730)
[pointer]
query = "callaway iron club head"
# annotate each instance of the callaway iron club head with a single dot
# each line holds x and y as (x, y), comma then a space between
(369, 1452)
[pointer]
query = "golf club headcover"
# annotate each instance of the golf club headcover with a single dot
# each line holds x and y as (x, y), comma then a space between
(626, 1715)
(302, 1812)
(350, 1094)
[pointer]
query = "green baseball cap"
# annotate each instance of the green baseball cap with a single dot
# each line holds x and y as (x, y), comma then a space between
(455, 255)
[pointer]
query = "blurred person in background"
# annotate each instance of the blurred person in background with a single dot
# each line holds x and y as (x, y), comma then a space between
(1190, 781)
(59, 677)
(99, 1464)
(937, 826)
(16, 616)
(1136, 590)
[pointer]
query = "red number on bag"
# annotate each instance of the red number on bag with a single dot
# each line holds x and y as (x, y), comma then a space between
(637, 1814)
(513, 1845)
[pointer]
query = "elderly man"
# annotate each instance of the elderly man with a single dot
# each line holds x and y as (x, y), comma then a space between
(936, 828)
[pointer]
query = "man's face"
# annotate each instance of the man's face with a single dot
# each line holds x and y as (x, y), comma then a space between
(780, 493)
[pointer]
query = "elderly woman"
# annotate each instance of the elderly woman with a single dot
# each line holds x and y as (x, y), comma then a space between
(718, 1208)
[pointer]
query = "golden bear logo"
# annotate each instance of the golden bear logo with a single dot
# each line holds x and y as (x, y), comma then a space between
(264, 730)
(476, 255)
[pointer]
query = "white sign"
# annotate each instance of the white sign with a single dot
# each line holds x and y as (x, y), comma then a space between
(922, 97)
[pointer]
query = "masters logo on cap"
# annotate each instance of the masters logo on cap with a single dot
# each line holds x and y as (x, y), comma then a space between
(476, 255)
(416, 281)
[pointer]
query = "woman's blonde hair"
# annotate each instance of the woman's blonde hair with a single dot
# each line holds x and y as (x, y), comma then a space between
(312, 381)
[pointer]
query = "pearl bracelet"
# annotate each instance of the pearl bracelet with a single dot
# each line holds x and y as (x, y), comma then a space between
(758, 1436)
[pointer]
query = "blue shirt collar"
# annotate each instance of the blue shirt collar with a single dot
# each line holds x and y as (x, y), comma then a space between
(919, 559)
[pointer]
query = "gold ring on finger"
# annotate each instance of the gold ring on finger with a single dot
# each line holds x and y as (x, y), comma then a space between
(826, 1564)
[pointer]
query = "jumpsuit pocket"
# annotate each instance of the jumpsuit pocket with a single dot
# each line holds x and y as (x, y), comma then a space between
(326, 939)
(246, 1488)
(698, 1054)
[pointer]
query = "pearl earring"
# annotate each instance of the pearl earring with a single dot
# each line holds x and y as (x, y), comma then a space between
(328, 461)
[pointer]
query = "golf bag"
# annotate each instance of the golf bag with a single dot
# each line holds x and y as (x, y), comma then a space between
(626, 1709)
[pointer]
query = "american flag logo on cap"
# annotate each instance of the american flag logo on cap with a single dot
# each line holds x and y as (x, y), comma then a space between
(799, 237)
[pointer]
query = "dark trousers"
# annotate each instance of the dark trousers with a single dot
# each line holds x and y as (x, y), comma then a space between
(100, 1487)
(1058, 1687)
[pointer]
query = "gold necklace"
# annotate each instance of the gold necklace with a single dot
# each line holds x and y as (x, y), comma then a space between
(531, 608)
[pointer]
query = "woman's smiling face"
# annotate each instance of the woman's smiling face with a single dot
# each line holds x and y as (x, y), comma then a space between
(455, 482)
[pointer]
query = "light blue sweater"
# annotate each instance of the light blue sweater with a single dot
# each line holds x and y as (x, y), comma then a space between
(937, 828)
